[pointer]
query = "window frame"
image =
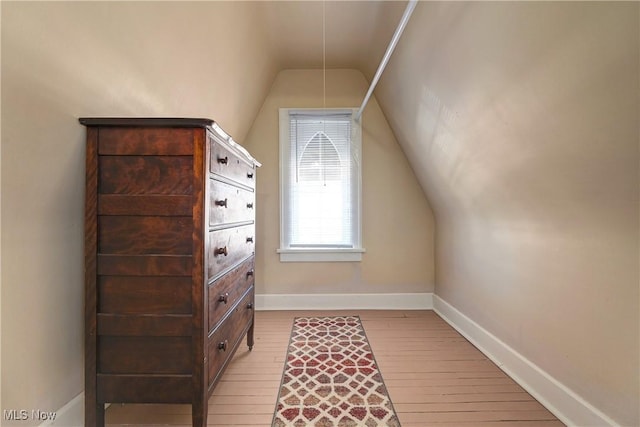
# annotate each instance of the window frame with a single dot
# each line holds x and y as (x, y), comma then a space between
(315, 254)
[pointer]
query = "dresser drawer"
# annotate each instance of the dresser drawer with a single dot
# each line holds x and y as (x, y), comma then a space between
(144, 355)
(229, 204)
(225, 292)
(224, 340)
(229, 246)
(145, 175)
(226, 163)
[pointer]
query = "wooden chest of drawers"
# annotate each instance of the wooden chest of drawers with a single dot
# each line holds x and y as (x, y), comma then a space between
(169, 261)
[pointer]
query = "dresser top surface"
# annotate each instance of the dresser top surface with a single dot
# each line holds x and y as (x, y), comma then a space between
(147, 121)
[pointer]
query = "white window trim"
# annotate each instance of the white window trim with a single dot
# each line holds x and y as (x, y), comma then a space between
(319, 254)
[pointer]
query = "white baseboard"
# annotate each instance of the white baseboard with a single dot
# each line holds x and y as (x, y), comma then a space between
(565, 404)
(70, 415)
(415, 301)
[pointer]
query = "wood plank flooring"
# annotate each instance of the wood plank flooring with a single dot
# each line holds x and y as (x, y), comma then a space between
(434, 377)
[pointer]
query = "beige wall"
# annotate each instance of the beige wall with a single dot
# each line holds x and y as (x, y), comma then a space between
(397, 224)
(521, 122)
(65, 60)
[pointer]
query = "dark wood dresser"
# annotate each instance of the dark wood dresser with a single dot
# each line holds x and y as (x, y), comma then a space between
(169, 261)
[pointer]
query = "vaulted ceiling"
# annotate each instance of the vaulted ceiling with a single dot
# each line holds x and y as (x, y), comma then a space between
(356, 33)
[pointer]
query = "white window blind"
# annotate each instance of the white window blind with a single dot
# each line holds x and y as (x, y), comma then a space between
(320, 181)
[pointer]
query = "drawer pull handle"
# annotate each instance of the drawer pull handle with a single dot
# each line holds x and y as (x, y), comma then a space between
(221, 203)
(224, 298)
(249, 205)
(223, 345)
(222, 251)
(250, 273)
(249, 239)
(223, 160)
(250, 306)
(250, 175)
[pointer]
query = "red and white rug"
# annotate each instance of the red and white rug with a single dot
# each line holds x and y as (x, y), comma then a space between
(331, 378)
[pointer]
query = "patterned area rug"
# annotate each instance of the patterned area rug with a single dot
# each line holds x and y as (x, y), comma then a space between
(331, 378)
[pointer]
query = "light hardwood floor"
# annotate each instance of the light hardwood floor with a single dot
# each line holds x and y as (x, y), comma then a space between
(433, 375)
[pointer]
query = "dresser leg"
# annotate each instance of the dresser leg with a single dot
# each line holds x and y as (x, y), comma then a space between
(100, 415)
(250, 335)
(94, 414)
(199, 413)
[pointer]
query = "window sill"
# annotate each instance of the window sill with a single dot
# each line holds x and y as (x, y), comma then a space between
(321, 255)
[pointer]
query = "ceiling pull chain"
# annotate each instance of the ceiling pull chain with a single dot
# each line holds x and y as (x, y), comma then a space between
(324, 86)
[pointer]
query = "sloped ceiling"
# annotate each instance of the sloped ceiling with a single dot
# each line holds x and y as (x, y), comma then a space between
(356, 33)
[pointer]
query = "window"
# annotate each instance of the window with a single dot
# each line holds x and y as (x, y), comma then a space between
(319, 186)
